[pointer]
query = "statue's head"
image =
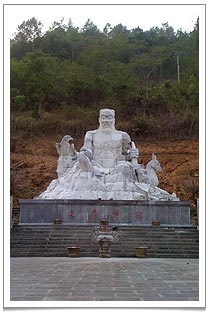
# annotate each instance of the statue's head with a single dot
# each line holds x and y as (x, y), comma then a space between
(107, 118)
(67, 138)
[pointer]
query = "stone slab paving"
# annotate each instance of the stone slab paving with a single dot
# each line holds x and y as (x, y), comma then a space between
(99, 279)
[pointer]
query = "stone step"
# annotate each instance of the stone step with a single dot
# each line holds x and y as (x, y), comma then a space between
(52, 240)
(86, 241)
(123, 232)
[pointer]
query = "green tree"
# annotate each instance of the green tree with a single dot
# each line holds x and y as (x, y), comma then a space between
(29, 30)
(27, 33)
(134, 70)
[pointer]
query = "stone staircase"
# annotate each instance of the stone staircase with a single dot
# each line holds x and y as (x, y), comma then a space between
(52, 241)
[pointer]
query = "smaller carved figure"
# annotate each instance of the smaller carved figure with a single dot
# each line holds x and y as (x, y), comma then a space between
(67, 155)
(65, 147)
(149, 175)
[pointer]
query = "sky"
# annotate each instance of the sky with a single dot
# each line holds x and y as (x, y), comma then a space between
(145, 16)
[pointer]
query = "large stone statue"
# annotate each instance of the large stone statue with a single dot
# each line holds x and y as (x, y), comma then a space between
(105, 168)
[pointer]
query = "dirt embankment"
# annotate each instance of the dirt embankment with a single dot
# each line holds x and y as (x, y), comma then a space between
(34, 162)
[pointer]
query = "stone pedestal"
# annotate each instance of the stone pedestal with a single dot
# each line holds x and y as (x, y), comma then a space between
(128, 212)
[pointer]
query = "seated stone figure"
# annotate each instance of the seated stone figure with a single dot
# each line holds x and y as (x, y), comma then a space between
(105, 168)
(108, 148)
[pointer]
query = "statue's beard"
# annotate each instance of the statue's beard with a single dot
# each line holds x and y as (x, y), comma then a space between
(107, 125)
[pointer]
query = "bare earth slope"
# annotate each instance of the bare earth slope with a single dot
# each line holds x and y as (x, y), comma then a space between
(34, 161)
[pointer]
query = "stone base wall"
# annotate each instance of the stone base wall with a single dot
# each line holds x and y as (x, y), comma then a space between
(116, 211)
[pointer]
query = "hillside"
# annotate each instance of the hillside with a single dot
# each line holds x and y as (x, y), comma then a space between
(34, 161)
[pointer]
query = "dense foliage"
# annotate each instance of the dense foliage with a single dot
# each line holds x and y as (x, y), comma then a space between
(62, 77)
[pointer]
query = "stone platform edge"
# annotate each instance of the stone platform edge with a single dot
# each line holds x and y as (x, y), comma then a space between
(104, 202)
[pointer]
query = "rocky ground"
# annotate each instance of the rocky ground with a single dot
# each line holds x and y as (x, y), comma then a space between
(34, 161)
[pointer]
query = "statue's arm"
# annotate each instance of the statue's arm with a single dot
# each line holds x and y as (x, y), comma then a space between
(128, 147)
(85, 156)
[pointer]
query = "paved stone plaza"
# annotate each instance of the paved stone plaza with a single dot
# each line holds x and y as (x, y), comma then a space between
(101, 279)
